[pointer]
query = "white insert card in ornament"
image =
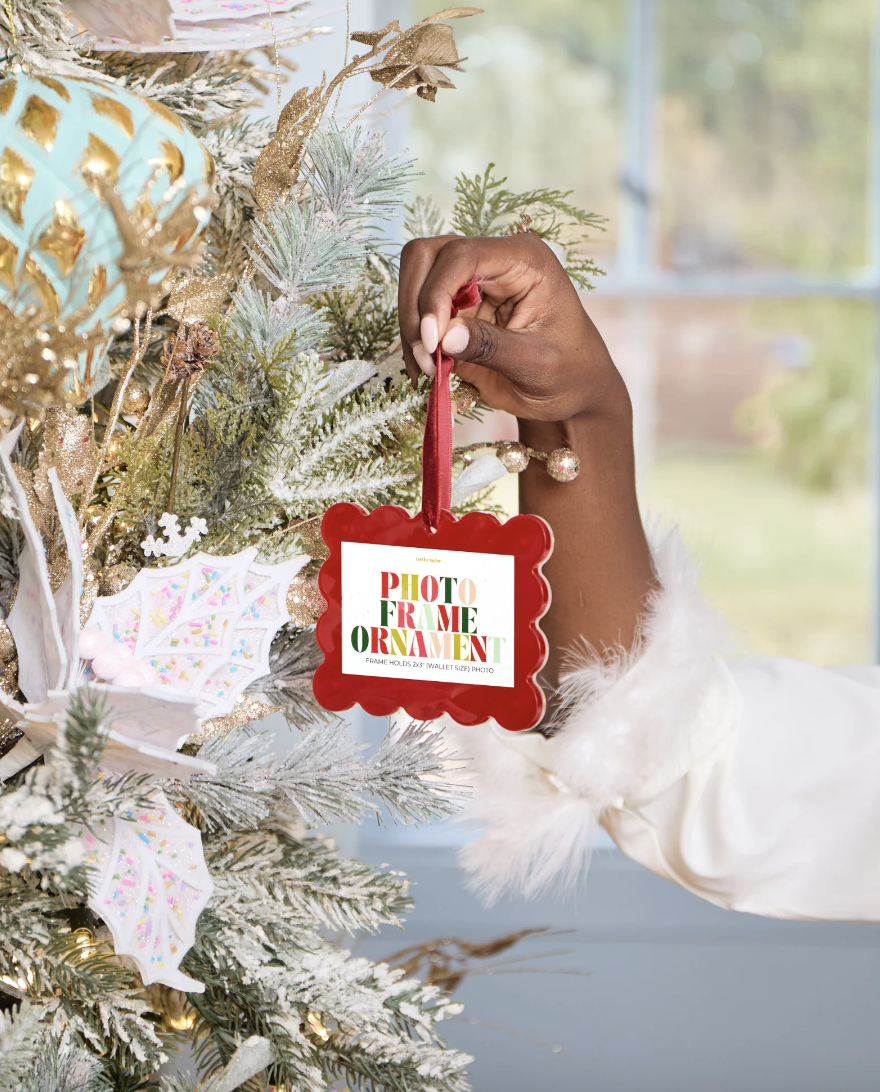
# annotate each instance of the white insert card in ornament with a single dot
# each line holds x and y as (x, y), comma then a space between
(413, 613)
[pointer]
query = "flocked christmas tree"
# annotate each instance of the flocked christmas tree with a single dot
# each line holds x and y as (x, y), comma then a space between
(198, 320)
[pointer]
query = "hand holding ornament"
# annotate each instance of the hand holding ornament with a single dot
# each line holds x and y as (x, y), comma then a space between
(531, 349)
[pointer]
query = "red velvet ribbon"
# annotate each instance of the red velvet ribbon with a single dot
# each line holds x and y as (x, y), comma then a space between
(437, 449)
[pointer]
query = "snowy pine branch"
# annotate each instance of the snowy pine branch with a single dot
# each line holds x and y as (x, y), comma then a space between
(21, 1037)
(321, 778)
(303, 249)
(353, 176)
(409, 775)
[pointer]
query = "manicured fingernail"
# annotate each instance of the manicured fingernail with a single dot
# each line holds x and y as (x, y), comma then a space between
(423, 358)
(430, 333)
(456, 340)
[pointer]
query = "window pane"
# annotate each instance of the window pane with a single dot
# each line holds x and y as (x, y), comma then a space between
(761, 426)
(763, 126)
(540, 97)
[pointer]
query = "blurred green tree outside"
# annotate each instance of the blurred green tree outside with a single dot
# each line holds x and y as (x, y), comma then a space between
(761, 142)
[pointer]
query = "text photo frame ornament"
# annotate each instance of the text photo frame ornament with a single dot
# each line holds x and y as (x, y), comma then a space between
(434, 614)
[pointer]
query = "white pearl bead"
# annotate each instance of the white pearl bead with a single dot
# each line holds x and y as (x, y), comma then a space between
(109, 663)
(133, 675)
(92, 642)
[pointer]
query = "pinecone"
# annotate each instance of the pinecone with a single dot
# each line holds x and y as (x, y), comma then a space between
(186, 354)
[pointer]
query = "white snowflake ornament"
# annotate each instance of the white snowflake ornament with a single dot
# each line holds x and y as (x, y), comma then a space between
(153, 885)
(174, 544)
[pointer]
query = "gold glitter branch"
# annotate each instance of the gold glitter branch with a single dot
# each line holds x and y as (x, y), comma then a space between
(413, 58)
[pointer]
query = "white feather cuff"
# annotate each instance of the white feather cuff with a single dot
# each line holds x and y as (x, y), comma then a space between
(626, 726)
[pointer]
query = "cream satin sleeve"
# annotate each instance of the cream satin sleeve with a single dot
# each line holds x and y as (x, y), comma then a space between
(754, 783)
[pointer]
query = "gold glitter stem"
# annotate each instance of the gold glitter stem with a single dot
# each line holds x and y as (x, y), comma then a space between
(9, 5)
(178, 440)
(355, 64)
(140, 347)
(386, 87)
(277, 63)
(345, 58)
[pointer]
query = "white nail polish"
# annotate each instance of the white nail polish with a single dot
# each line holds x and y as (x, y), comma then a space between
(456, 340)
(430, 333)
(423, 358)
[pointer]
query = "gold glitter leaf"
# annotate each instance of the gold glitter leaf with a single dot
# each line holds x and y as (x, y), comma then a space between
(63, 238)
(305, 604)
(34, 274)
(7, 94)
(429, 44)
(8, 262)
(171, 160)
(453, 13)
(278, 164)
(184, 237)
(244, 711)
(16, 176)
(97, 286)
(317, 1026)
(372, 38)
(115, 111)
(39, 121)
(68, 446)
(99, 162)
(193, 299)
(56, 85)
(151, 241)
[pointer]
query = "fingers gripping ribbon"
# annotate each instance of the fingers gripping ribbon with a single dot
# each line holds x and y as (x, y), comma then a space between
(437, 450)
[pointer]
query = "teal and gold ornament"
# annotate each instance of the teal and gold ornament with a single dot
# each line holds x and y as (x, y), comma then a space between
(102, 192)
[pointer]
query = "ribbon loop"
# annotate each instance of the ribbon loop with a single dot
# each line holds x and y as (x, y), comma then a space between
(437, 447)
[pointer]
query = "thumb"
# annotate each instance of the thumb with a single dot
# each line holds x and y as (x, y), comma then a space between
(478, 342)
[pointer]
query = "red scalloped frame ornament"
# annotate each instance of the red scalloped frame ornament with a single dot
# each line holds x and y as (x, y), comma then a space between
(527, 538)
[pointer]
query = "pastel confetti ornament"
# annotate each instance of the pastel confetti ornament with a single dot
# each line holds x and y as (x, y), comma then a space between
(64, 145)
(153, 884)
(203, 628)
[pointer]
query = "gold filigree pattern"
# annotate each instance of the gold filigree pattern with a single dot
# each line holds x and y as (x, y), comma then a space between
(7, 94)
(210, 170)
(63, 238)
(8, 262)
(115, 111)
(171, 160)
(39, 121)
(16, 176)
(99, 162)
(162, 111)
(55, 85)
